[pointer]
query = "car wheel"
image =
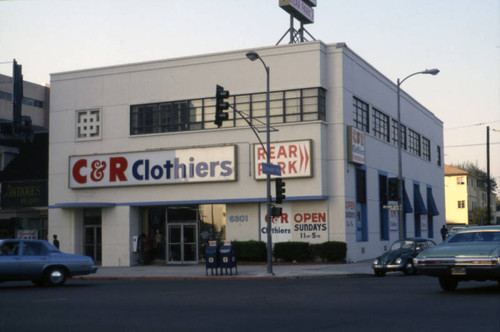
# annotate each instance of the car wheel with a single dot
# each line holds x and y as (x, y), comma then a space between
(448, 284)
(379, 273)
(409, 268)
(55, 276)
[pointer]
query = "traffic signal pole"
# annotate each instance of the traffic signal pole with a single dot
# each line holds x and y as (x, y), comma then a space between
(252, 56)
(268, 179)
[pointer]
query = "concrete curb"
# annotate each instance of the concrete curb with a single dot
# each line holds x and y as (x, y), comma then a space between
(245, 272)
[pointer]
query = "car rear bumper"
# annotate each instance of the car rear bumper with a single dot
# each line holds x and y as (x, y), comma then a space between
(460, 268)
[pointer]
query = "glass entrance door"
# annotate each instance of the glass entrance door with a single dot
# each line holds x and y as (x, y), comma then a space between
(93, 242)
(92, 232)
(182, 246)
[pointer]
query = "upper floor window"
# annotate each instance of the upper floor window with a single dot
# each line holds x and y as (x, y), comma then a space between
(426, 149)
(395, 137)
(460, 180)
(461, 204)
(380, 125)
(414, 142)
(438, 155)
(26, 101)
(284, 106)
(361, 119)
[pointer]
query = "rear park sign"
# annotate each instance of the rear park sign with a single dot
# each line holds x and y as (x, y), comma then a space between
(294, 159)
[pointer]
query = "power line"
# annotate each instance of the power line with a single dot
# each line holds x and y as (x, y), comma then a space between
(467, 145)
(472, 125)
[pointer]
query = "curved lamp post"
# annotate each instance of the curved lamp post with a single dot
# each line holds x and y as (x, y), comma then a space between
(252, 56)
(400, 166)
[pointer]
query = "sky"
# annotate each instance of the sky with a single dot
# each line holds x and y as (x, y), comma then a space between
(398, 37)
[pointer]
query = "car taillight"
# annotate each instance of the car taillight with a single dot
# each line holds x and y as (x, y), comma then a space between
(484, 262)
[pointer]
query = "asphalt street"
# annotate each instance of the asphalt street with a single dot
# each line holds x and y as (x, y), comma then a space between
(340, 303)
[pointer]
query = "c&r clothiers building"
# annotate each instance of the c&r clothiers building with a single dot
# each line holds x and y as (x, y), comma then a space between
(134, 150)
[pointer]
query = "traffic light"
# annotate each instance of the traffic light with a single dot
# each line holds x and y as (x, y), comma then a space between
(276, 211)
(280, 190)
(221, 105)
(393, 189)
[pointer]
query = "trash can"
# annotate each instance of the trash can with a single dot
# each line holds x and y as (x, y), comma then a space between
(227, 258)
(211, 258)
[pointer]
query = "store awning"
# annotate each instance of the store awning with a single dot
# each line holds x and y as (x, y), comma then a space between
(431, 204)
(418, 202)
(73, 205)
(406, 202)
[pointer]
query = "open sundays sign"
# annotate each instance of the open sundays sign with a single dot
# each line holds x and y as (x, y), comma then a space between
(294, 158)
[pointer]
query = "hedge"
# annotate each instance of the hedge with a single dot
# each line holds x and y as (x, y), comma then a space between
(293, 251)
(331, 251)
(255, 251)
(250, 251)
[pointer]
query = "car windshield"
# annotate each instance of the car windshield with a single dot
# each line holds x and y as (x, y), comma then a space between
(402, 245)
(9, 248)
(475, 237)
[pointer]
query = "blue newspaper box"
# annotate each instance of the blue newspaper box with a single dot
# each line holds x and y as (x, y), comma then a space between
(211, 258)
(227, 258)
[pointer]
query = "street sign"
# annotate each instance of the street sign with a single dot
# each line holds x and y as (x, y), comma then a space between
(271, 169)
(392, 207)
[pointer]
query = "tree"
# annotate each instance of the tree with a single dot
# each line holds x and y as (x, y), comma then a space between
(478, 216)
(482, 177)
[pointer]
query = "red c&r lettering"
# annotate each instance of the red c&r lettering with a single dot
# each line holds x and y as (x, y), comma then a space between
(76, 171)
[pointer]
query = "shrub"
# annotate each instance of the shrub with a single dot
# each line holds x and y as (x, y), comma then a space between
(292, 251)
(250, 251)
(332, 251)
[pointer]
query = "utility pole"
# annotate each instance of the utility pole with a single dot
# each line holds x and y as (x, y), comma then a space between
(488, 180)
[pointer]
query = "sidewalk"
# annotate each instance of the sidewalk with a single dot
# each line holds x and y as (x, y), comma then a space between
(248, 271)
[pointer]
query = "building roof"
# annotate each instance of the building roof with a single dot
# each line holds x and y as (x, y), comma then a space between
(451, 171)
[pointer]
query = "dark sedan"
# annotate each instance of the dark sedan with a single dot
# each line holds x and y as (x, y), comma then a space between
(40, 262)
(400, 257)
(470, 254)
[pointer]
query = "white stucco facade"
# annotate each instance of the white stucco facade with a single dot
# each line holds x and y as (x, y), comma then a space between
(321, 202)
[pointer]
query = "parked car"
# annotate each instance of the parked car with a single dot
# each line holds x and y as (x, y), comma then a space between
(40, 262)
(453, 230)
(470, 254)
(400, 256)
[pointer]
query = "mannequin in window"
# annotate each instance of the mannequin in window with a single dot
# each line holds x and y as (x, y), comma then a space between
(157, 243)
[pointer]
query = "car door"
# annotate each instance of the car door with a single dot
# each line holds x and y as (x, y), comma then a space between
(34, 256)
(10, 267)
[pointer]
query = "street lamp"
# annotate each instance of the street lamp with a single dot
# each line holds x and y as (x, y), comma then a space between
(252, 56)
(400, 143)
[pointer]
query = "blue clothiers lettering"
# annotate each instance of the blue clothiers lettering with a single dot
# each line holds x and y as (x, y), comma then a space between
(143, 170)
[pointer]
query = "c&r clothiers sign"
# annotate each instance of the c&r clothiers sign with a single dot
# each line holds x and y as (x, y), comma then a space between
(211, 164)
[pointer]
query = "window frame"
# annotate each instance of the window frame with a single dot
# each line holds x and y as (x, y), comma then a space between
(294, 105)
(414, 142)
(381, 125)
(361, 115)
(426, 148)
(394, 136)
